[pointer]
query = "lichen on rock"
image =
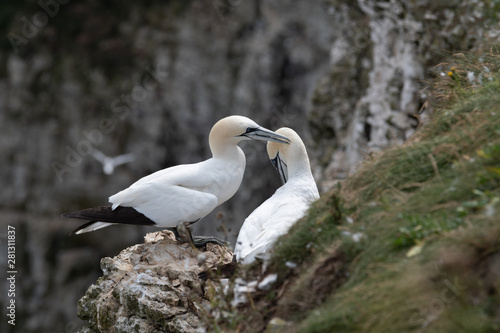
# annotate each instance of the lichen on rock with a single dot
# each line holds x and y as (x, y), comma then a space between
(151, 287)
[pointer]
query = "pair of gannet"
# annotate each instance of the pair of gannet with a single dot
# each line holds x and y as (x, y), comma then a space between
(180, 195)
(287, 205)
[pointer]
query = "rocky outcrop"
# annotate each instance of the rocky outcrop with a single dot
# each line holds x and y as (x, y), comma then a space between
(151, 287)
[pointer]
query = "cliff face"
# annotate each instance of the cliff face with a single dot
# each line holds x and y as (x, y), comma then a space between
(373, 95)
(151, 79)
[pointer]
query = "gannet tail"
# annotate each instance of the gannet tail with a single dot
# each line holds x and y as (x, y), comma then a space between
(101, 217)
(90, 226)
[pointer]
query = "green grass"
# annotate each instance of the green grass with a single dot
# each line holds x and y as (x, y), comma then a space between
(427, 253)
(440, 192)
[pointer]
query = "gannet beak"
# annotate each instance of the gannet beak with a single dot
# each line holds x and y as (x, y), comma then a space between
(281, 166)
(261, 133)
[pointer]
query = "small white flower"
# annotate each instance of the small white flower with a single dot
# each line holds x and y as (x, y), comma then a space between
(268, 282)
(470, 77)
(357, 236)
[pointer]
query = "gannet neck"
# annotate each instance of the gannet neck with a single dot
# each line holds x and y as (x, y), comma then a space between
(226, 150)
(297, 161)
(224, 147)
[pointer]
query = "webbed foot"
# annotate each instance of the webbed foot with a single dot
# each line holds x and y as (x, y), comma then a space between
(200, 241)
(183, 234)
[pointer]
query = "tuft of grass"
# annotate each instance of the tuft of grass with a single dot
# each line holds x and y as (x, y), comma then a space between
(426, 208)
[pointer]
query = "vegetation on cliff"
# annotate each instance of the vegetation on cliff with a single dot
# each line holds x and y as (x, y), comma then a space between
(411, 241)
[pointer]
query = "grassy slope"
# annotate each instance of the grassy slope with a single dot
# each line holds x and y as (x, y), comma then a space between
(428, 257)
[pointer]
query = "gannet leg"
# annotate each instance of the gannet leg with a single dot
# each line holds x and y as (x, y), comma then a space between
(183, 234)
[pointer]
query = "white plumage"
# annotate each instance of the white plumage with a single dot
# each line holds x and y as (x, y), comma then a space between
(183, 193)
(288, 204)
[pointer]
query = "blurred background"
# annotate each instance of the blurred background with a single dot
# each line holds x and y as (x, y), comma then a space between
(80, 80)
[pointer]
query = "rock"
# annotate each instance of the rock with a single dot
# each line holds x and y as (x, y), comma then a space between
(151, 287)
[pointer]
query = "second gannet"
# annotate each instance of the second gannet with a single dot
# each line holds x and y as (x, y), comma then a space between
(110, 163)
(288, 204)
(183, 194)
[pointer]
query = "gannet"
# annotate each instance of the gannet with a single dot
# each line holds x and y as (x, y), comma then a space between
(110, 163)
(287, 205)
(181, 195)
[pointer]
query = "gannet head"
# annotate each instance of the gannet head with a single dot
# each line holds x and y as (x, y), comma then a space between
(289, 158)
(233, 129)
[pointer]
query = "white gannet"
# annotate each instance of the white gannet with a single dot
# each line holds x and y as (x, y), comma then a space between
(183, 194)
(110, 163)
(288, 204)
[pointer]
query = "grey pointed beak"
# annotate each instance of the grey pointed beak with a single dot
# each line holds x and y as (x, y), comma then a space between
(261, 133)
(282, 168)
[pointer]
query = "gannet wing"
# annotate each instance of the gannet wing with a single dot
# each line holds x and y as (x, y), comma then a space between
(166, 205)
(101, 217)
(122, 159)
(253, 227)
(176, 175)
(98, 155)
(267, 223)
(149, 204)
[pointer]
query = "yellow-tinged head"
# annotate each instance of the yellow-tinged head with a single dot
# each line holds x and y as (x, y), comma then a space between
(288, 159)
(228, 131)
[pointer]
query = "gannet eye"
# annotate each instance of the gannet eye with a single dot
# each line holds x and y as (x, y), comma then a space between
(248, 131)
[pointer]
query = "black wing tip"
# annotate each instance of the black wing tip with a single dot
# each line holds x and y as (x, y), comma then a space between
(121, 215)
(84, 213)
